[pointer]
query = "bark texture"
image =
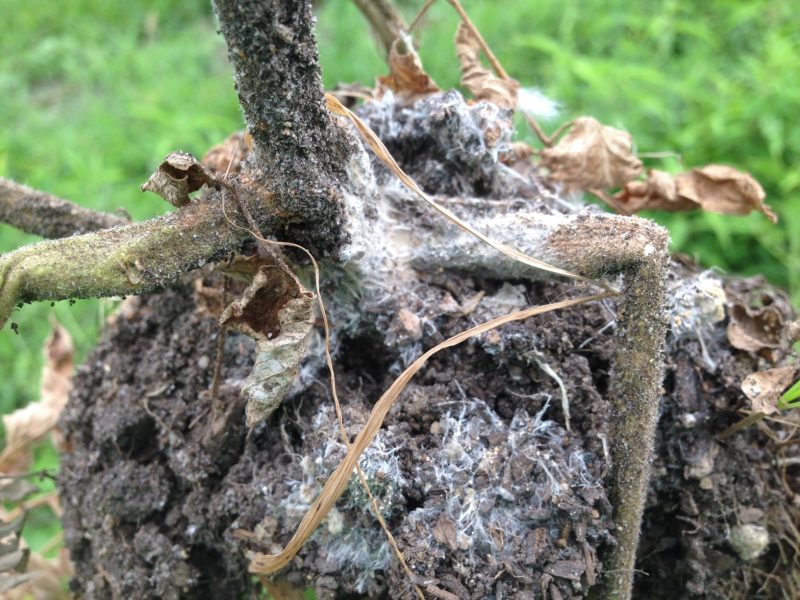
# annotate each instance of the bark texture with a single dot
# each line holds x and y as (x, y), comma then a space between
(299, 153)
(35, 212)
(123, 260)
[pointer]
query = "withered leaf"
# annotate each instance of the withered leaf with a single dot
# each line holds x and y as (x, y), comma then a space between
(227, 157)
(723, 189)
(566, 569)
(444, 532)
(178, 175)
(659, 191)
(755, 329)
(31, 423)
(715, 188)
(278, 313)
(407, 78)
(764, 388)
(592, 156)
(481, 82)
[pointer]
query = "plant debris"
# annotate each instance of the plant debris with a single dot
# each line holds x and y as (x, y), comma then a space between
(764, 388)
(592, 156)
(407, 78)
(715, 188)
(481, 83)
(178, 175)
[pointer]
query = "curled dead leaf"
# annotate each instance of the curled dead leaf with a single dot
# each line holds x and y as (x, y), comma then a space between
(723, 189)
(178, 175)
(407, 78)
(481, 82)
(715, 188)
(592, 156)
(659, 191)
(760, 318)
(227, 157)
(764, 388)
(29, 424)
(278, 313)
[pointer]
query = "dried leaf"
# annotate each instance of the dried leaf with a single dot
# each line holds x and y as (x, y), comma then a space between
(9, 581)
(444, 532)
(659, 192)
(479, 80)
(44, 579)
(723, 189)
(278, 313)
(764, 388)
(592, 156)
(178, 175)
(566, 569)
(31, 423)
(14, 560)
(761, 318)
(407, 78)
(715, 188)
(227, 157)
(16, 490)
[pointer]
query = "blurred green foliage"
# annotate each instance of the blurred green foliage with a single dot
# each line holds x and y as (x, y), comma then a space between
(94, 93)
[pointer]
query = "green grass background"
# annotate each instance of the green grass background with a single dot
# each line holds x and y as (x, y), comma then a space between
(93, 93)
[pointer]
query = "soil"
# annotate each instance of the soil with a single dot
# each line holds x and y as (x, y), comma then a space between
(485, 491)
(489, 496)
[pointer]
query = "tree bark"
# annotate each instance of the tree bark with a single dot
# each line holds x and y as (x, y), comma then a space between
(35, 212)
(300, 155)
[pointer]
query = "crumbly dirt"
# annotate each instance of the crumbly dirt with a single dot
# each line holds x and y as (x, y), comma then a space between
(489, 496)
(486, 492)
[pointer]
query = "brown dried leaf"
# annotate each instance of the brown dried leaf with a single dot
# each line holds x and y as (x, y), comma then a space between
(178, 175)
(592, 156)
(31, 423)
(715, 188)
(566, 569)
(407, 78)
(481, 82)
(659, 192)
(764, 388)
(45, 578)
(227, 157)
(754, 329)
(444, 532)
(723, 189)
(278, 313)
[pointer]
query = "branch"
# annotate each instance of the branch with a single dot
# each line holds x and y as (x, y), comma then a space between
(39, 213)
(596, 246)
(299, 153)
(124, 260)
(385, 21)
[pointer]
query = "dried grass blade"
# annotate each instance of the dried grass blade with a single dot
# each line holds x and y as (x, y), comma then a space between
(337, 482)
(383, 153)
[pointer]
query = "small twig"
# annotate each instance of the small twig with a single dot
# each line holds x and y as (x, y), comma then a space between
(420, 15)
(739, 425)
(438, 592)
(384, 19)
(40, 474)
(547, 141)
(221, 333)
(498, 68)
